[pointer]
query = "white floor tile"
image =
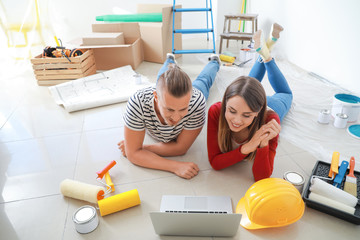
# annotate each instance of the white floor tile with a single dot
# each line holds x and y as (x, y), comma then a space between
(40, 120)
(34, 168)
(40, 218)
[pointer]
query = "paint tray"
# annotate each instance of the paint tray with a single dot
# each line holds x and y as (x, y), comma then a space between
(322, 169)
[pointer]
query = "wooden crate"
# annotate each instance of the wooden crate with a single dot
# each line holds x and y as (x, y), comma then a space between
(52, 71)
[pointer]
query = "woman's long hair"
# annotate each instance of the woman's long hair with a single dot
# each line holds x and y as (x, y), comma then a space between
(251, 90)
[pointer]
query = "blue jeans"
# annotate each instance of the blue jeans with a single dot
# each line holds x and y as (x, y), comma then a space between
(281, 101)
(205, 79)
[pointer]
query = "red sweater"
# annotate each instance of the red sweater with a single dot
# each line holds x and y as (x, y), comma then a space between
(264, 159)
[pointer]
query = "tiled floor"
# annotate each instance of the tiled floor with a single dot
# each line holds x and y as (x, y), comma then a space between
(41, 145)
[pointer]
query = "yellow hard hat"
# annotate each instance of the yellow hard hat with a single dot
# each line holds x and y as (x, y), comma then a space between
(271, 202)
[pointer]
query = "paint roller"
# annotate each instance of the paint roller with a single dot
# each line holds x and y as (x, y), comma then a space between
(95, 194)
(87, 192)
(331, 196)
(82, 191)
(329, 191)
(119, 202)
(331, 203)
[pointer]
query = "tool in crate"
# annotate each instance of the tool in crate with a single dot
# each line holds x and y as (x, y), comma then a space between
(61, 51)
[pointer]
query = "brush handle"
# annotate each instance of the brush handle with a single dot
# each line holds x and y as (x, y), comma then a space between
(351, 168)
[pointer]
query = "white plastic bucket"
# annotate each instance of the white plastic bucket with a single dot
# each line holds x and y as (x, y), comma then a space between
(346, 104)
(246, 54)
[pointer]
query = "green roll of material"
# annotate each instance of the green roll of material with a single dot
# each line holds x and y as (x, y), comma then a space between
(141, 17)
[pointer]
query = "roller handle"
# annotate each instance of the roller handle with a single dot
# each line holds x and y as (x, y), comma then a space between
(342, 170)
(109, 181)
(351, 168)
(106, 169)
(334, 164)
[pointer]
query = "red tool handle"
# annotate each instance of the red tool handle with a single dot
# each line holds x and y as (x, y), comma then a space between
(352, 166)
(106, 169)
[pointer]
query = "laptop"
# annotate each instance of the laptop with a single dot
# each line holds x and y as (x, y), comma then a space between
(196, 216)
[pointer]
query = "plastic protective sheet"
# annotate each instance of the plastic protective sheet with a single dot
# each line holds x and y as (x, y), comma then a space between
(300, 126)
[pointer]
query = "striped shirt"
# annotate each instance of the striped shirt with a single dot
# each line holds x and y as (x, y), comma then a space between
(140, 114)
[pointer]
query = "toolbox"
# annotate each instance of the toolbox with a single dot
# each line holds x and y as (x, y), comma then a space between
(51, 71)
(322, 169)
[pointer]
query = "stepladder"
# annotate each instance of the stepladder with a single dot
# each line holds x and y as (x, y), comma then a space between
(209, 29)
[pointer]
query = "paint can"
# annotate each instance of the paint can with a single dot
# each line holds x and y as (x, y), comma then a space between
(324, 116)
(296, 179)
(347, 104)
(247, 54)
(85, 219)
(137, 79)
(341, 120)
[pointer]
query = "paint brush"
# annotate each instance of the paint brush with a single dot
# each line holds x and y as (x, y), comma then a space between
(351, 181)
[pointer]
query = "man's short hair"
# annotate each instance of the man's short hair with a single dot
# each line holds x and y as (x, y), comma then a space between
(175, 81)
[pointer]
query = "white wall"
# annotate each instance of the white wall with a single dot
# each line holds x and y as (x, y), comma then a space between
(321, 36)
(74, 21)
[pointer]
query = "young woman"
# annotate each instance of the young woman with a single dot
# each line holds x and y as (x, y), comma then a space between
(246, 124)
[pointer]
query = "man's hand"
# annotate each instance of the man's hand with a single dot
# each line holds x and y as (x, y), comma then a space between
(186, 170)
(144, 157)
(121, 145)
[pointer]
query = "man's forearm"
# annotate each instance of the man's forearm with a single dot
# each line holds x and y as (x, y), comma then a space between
(148, 159)
(169, 149)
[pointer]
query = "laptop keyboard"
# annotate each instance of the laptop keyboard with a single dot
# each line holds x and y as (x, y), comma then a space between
(195, 212)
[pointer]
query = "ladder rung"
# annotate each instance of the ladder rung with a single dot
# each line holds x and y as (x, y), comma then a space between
(193, 51)
(190, 31)
(192, 9)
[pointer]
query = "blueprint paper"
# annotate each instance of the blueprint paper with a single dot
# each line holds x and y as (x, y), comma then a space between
(100, 89)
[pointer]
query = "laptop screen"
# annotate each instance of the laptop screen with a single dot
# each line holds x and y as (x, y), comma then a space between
(201, 204)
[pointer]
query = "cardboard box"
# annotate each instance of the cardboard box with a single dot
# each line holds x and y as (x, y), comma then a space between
(157, 37)
(104, 39)
(113, 56)
(145, 41)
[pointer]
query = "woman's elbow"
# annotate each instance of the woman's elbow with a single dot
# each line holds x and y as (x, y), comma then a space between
(215, 166)
(258, 177)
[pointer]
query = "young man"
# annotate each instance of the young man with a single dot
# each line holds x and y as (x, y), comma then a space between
(173, 113)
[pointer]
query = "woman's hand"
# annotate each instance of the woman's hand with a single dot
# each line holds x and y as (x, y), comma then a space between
(262, 137)
(270, 130)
